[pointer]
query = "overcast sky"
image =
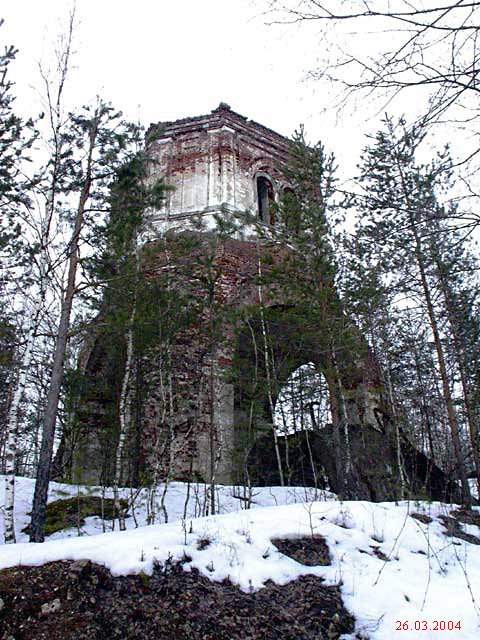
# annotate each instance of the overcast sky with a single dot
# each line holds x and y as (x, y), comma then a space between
(161, 60)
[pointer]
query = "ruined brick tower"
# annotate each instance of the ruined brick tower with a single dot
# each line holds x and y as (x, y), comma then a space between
(219, 163)
(199, 406)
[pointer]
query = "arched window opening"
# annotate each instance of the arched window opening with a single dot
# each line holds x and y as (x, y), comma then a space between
(266, 200)
(303, 403)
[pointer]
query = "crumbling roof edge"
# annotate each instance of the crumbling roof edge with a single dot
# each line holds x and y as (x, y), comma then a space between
(222, 111)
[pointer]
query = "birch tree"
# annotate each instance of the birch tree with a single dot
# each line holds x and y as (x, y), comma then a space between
(421, 49)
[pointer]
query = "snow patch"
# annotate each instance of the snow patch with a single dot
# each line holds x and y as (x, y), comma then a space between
(391, 567)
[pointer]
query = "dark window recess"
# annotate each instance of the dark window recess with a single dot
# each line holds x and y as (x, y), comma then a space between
(266, 199)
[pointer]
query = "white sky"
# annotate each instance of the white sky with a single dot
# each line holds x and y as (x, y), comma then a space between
(160, 60)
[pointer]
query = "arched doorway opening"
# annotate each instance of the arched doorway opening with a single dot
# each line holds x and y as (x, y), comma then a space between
(282, 401)
(303, 403)
(302, 409)
(273, 346)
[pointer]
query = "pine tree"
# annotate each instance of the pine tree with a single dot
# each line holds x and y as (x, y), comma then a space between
(306, 279)
(128, 287)
(97, 141)
(455, 268)
(400, 212)
(16, 138)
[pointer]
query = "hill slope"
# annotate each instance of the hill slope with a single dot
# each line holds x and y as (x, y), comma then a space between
(413, 563)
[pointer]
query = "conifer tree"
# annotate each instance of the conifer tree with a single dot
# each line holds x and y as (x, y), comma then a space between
(400, 216)
(306, 277)
(16, 139)
(96, 142)
(127, 289)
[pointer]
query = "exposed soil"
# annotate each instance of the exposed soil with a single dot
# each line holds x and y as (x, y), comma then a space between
(422, 517)
(466, 516)
(311, 550)
(452, 524)
(84, 601)
(379, 553)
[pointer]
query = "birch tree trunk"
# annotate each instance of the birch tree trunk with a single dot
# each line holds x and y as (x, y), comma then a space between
(267, 371)
(11, 446)
(168, 445)
(125, 416)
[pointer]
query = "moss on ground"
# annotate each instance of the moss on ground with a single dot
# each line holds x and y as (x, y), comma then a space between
(64, 514)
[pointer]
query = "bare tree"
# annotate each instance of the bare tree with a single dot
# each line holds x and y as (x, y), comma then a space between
(401, 45)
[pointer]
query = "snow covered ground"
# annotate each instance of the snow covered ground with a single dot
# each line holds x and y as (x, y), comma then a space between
(394, 570)
(180, 502)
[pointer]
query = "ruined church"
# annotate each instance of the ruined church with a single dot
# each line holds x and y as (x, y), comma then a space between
(203, 392)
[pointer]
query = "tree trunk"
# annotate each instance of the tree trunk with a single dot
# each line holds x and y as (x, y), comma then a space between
(125, 417)
(267, 371)
(11, 446)
(459, 347)
(48, 435)
(447, 396)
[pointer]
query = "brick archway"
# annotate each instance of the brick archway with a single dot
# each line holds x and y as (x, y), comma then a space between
(355, 451)
(196, 425)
